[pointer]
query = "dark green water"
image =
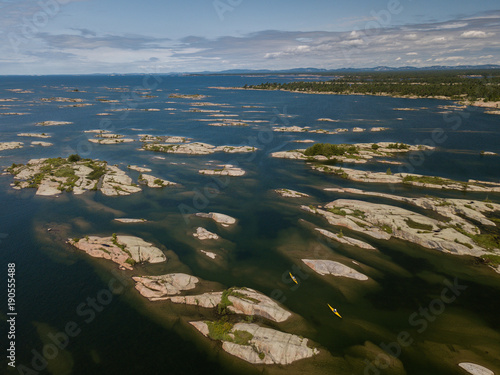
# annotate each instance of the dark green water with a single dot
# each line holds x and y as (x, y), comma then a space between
(131, 335)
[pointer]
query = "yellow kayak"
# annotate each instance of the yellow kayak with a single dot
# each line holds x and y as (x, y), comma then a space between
(334, 311)
(293, 278)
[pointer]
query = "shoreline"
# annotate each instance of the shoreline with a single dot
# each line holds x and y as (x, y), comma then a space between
(478, 103)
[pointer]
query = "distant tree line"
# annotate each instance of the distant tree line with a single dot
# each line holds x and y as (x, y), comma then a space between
(454, 85)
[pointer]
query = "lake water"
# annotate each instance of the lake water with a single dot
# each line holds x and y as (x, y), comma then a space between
(130, 335)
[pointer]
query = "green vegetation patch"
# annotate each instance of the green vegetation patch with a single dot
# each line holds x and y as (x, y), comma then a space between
(337, 211)
(492, 259)
(464, 243)
(328, 150)
(487, 241)
(158, 181)
(130, 261)
(386, 228)
(55, 162)
(97, 171)
(456, 84)
(73, 158)
(398, 146)
(359, 214)
(426, 180)
(225, 302)
(416, 225)
(220, 330)
(65, 171)
(341, 173)
(242, 337)
(243, 296)
(114, 239)
(159, 148)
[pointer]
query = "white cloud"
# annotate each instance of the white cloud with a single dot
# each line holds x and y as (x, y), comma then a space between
(447, 26)
(410, 36)
(354, 42)
(475, 34)
(434, 40)
(422, 44)
(449, 58)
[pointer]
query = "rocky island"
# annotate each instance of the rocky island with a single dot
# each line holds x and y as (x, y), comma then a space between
(110, 139)
(154, 182)
(156, 287)
(383, 221)
(124, 250)
(54, 175)
(256, 344)
(53, 123)
(203, 234)
(357, 153)
(224, 220)
(290, 193)
(10, 145)
(430, 182)
(194, 148)
(329, 267)
(226, 170)
(235, 300)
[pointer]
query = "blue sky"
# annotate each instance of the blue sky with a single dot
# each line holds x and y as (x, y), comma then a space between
(111, 36)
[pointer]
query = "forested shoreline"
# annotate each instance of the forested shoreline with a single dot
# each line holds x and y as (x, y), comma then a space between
(471, 86)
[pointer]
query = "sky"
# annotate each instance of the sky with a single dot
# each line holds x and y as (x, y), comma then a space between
(112, 36)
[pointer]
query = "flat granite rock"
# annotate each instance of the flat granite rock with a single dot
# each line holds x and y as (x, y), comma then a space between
(40, 143)
(329, 267)
(244, 301)
(290, 193)
(120, 249)
(55, 175)
(475, 369)
(203, 234)
(10, 145)
(155, 287)
(267, 346)
(209, 254)
(226, 170)
(154, 182)
(344, 239)
(139, 169)
(224, 220)
(127, 220)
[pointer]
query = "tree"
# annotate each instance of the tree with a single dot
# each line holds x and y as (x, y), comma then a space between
(74, 158)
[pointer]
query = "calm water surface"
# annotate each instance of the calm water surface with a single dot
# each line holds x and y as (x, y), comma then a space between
(131, 335)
